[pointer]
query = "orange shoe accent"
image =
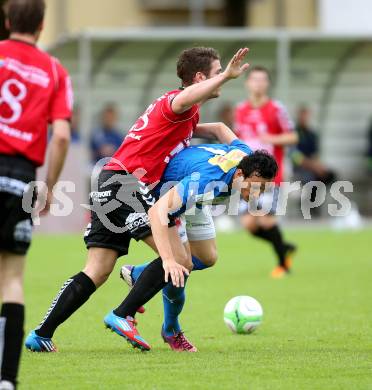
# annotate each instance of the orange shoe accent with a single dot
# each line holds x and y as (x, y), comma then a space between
(288, 262)
(278, 272)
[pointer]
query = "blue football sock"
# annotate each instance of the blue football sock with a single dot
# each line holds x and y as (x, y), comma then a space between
(173, 298)
(173, 301)
(137, 270)
(198, 264)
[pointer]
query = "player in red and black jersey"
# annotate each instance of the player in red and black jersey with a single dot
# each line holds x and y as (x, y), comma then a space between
(123, 195)
(34, 90)
(263, 123)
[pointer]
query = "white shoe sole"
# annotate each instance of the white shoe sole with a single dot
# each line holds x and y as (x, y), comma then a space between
(125, 274)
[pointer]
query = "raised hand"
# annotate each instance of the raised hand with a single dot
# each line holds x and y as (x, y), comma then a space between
(235, 68)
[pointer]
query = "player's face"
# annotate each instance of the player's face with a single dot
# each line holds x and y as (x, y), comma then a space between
(258, 83)
(304, 116)
(109, 118)
(216, 69)
(253, 187)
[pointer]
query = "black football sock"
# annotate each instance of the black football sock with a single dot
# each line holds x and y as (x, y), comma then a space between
(12, 318)
(274, 236)
(149, 283)
(262, 233)
(73, 294)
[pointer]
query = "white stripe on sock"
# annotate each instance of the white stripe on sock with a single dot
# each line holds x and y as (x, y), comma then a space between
(2, 338)
(55, 300)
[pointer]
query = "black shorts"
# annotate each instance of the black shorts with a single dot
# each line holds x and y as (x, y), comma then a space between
(119, 207)
(15, 223)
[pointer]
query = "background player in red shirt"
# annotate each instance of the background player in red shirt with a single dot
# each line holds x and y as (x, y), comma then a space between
(34, 90)
(263, 123)
(123, 196)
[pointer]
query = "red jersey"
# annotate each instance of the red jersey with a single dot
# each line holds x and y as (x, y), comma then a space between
(271, 118)
(34, 89)
(157, 136)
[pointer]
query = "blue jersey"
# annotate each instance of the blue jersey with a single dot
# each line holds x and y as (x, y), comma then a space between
(203, 173)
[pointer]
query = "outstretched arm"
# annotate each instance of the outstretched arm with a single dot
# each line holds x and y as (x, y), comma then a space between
(285, 139)
(199, 92)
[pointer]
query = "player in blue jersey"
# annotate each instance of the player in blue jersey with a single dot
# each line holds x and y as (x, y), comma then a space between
(197, 176)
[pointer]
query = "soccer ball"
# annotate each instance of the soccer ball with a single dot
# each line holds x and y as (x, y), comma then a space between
(243, 314)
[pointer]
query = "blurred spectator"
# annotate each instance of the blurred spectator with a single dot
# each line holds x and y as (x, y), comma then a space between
(307, 165)
(226, 115)
(369, 151)
(75, 119)
(106, 138)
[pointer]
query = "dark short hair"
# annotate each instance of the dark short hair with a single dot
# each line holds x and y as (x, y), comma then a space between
(25, 16)
(260, 163)
(109, 107)
(194, 60)
(303, 108)
(259, 68)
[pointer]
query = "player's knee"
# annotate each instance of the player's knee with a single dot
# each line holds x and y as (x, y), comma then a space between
(267, 221)
(210, 258)
(188, 263)
(183, 257)
(185, 260)
(98, 276)
(249, 223)
(101, 278)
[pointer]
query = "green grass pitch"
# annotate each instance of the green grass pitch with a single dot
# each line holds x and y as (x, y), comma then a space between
(316, 332)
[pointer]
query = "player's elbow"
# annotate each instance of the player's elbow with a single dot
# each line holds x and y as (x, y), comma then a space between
(63, 141)
(220, 129)
(61, 133)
